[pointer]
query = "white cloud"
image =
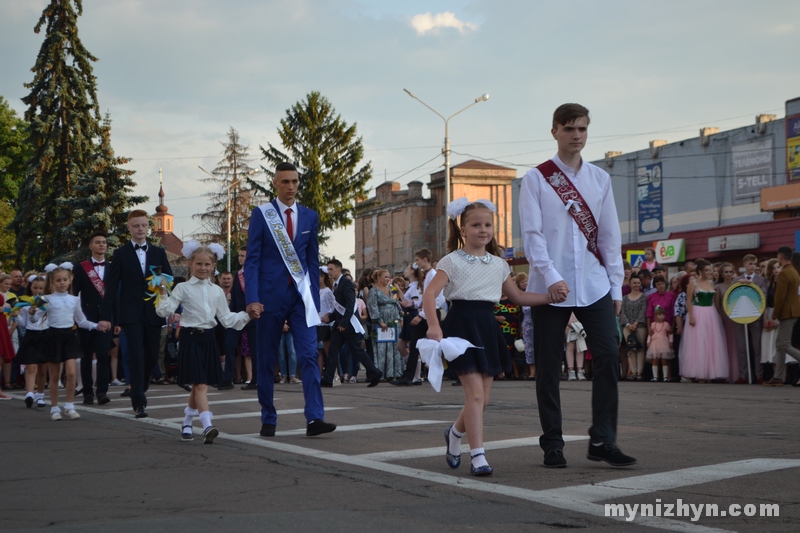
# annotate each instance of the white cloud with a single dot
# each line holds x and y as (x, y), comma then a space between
(427, 22)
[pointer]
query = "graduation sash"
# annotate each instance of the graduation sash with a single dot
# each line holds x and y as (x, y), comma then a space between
(574, 204)
(292, 261)
(98, 283)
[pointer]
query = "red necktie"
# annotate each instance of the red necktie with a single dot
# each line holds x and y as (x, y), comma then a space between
(289, 225)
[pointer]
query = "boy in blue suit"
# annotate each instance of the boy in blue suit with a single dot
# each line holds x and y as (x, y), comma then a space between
(273, 296)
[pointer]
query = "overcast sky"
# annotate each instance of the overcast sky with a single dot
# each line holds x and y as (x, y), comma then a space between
(176, 74)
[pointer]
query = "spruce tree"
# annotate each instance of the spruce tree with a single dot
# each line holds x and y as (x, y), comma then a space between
(100, 200)
(64, 120)
(327, 152)
(232, 171)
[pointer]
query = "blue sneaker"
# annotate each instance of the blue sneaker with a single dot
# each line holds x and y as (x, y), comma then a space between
(453, 461)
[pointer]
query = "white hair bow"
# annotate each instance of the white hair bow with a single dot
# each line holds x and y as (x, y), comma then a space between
(50, 267)
(32, 278)
(457, 206)
(66, 265)
(217, 250)
(189, 247)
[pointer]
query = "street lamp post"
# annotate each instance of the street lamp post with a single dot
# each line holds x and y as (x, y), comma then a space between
(446, 150)
(228, 186)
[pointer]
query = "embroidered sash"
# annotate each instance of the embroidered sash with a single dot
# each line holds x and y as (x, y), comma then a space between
(292, 261)
(98, 283)
(241, 278)
(354, 321)
(574, 203)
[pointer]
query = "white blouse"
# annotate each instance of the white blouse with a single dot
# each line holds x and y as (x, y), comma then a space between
(29, 323)
(202, 301)
(326, 303)
(474, 280)
(63, 311)
(411, 293)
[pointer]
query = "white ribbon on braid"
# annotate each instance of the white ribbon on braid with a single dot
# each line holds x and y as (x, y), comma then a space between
(457, 206)
(66, 265)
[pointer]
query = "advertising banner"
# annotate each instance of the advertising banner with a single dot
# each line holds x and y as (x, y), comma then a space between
(793, 148)
(752, 168)
(671, 251)
(650, 200)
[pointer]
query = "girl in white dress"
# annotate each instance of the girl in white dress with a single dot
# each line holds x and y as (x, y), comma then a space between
(473, 276)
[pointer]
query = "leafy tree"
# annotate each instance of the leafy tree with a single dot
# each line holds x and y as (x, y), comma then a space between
(64, 120)
(7, 256)
(100, 200)
(327, 152)
(232, 171)
(15, 152)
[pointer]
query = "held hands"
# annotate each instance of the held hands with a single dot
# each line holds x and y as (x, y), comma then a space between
(558, 292)
(254, 310)
(416, 320)
(103, 326)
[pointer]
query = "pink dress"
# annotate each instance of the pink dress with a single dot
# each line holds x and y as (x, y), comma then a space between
(703, 351)
(658, 342)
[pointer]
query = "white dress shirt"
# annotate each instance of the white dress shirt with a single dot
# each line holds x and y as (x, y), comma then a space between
(327, 303)
(283, 207)
(100, 269)
(141, 254)
(441, 303)
(63, 311)
(202, 301)
(554, 244)
(411, 293)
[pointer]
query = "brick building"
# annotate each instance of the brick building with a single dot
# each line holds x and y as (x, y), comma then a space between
(395, 222)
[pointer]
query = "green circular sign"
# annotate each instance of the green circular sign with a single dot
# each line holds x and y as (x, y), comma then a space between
(744, 302)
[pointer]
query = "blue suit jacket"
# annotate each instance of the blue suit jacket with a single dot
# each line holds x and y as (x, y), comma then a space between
(265, 274)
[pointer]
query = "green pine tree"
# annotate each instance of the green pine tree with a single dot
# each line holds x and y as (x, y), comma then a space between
(64, 120)
(327, 152)
(100, 200)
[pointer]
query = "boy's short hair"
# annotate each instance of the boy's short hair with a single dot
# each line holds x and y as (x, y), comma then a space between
(335, 262)
(137, 213)
(566, 113)
(785, 252)
(285, 166)
(749, 257)
(424, 253)
(96, 234)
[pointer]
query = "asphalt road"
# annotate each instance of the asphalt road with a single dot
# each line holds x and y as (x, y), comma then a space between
(383, 469)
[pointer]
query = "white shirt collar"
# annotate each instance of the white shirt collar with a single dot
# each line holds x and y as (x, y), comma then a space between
(193, 280)
(283, 207)
(566, 168)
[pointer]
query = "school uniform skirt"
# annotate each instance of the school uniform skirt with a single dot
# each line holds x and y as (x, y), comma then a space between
(30, 349)
(474, 321)
(198, 357)
(59, 345)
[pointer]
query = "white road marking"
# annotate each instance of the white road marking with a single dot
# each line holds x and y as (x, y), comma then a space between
(184, 395)
(402, 455)
(174, 405)
(576, 499)
(362, 427)
(257, 414)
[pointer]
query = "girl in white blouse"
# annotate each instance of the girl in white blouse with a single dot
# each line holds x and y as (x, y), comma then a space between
(198, 354)
(61, 340)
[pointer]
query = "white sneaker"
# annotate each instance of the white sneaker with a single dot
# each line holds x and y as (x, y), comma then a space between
(40, 402)
(55, 413)
(72, 414)
(581, 375)
(282, 381)
(117, 383)
(572, 376)
(336, 381)
(294, 380)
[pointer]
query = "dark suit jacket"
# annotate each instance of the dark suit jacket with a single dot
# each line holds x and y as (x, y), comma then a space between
(91, 301)
(345, 295)
(266, 276)
(126, 286)
(787, 301)
(757, 280)
(238, 301)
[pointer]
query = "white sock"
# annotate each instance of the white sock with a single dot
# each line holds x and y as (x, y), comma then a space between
(455, 442)
(39, 395)
(69, 407)
(55, 409)
(478, 458)
(205, 419)
(665, 371)
(189, 416)
(29, 395)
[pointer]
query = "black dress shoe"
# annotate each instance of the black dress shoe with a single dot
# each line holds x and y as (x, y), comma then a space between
(140, 413)
(376, 379)
(88, 400)
(456, 383)
(401, 382)
(103, 399)
(226, 385)
(250, 386)
(318, 427)
(325, 383)
(554, 458)
(126, 393)
(610, 453)
(267, 430)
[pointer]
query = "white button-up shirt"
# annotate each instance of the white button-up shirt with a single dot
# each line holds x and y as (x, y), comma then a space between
(283, 207)
(554, 244)
(202, 301)
(63, 311)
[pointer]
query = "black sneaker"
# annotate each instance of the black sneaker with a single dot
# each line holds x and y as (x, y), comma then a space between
(209, 434)
(554, 458)
(88, 400)
(226, 385)
(318, 427)
(611, 454)
(401, 382)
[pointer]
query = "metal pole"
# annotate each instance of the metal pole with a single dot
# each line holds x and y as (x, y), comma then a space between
(447, 194)
(229, 228)
(747, 345)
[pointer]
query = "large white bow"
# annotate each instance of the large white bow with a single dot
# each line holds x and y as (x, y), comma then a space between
(431, 352)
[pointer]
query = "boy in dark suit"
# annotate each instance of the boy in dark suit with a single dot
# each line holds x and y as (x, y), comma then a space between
(88, 284)
(233, 337)
(787, 311)
(125, 291)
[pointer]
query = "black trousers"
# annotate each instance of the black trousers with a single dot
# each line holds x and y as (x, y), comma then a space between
(143, 344)
(420, 331)
(95, 343)
(600, 324)
(353, 341)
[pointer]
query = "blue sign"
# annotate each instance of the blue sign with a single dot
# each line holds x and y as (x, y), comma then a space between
(650, 199)
(797, 240)
(509, 253)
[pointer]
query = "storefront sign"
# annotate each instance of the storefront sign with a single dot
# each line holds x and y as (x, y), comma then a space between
(780, 197)
(752, 168)
(671, 251)
(743, 241)
(650, 199)
(793, 148)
